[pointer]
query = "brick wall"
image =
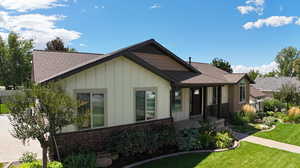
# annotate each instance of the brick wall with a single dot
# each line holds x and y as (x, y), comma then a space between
(94, 139)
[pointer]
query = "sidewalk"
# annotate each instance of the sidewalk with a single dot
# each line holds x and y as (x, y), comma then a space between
(268, 143)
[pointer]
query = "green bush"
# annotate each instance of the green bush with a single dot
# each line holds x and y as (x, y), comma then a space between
(38, 164)
(28, 157)
(224, 140)
(148, 140)
(189, 139)
(80, 160)
(269, 121)
(273, 105)
(238, 119)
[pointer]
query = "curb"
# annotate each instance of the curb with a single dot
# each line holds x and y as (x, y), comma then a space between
(235, 145)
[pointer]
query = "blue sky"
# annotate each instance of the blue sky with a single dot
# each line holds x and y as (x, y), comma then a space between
(247, 33)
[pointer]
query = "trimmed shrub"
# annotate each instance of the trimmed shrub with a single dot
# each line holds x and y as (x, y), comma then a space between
(28, 157)
(86, 160)
(224, 139)
(273, 105)
(147, 140)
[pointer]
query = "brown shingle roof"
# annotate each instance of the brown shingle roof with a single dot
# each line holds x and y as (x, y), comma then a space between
(256, 93)
(47, 64)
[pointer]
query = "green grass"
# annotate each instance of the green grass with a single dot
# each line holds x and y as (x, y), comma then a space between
(286, 133)
(244, 128)
(248, 155)
(1, 165)
(3, 109)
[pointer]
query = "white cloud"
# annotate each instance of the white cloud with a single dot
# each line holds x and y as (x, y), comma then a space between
(155, 6)
(82, 45)
(273, 21)
(247, 9)
(40, 28)
(28, 5)
(262, 69)
(252, 6)
(97, 7)
(256, 2)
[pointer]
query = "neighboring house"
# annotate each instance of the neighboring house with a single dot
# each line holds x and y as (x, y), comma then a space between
(139, 85)
(270, 85)
(256, 98)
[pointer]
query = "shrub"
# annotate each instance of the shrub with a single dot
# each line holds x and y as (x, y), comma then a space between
(28, 157)
(86, 160)
(148, 140)
(238, 119)
(224, 139)
(294, 114)
(281, 116)
(189, 140)
(273, 105)
(249, 112)
(269, 121)
(38, 164)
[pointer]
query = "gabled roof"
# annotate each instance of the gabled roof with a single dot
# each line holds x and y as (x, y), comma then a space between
(275, 83)
(48, 66)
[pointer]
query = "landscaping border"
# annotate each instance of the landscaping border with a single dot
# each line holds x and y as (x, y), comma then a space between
(235, 145)
(268, 130)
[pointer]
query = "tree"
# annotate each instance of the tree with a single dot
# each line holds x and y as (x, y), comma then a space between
(285, 60)
(58, 45)
(289, 94)
(39, 113)
(297, 67)
(222, 64)
(253, 74)
(15, 61)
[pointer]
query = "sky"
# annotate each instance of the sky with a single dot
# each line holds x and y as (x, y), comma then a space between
(247, 33)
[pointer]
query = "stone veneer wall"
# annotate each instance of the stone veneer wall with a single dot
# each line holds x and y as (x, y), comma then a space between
(94, 139)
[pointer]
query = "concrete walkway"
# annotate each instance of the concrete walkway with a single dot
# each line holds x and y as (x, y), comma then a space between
(268, 143)
(11, 149)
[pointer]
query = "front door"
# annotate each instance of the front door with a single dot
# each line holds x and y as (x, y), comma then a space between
(196, 102)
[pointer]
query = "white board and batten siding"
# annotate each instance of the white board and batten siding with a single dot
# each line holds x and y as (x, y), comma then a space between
(120, 77)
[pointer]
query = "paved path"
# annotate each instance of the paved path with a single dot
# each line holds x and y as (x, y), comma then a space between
(268, 143)
(11, 149)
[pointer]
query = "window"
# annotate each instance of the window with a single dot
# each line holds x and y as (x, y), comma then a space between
(176, 106)
(145, 104)
(242, 92)
(215, 95)
(90, 110)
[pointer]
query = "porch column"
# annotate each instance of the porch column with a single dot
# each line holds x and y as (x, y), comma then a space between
(219, 101)
(204, 102)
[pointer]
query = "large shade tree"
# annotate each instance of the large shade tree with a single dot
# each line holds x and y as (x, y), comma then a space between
(289, 94)
(285, 60)
(15, 61)
(39, 113)
(222, 64)
(57, 44)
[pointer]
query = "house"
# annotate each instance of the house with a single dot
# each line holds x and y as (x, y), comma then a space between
(256, 98)
(140, 85)
(270, 85)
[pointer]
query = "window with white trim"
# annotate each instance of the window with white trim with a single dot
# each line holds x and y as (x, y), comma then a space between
(242, 92)
(145, 104)
(177, 103)
(90, 110)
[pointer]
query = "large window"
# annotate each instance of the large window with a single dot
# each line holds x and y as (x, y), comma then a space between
(242, 92)
(177, 104)
(145, 104)
(90, 110)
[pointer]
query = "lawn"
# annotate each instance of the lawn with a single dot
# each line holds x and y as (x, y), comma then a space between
(1, 165)
(248, 155)
(3, 109)
(287, 133)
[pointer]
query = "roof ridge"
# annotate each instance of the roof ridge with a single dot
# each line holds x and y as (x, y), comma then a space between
(75, 52)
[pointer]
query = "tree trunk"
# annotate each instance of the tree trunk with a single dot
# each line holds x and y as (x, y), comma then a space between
(45, 158)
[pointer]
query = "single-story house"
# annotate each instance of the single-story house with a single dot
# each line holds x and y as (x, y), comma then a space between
(256, 98)
(270, 85)
(138, 85)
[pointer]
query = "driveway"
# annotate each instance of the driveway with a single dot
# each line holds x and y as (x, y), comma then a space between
(11, 149)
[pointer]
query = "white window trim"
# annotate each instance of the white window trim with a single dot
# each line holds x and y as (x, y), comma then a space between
(181, 103)
(94, 91)
(153, 89)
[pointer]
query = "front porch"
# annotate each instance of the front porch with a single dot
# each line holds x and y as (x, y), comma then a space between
(200, 103)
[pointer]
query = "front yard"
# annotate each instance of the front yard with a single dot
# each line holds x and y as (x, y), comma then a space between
(3, 109)
(286, 133)
(248, 155)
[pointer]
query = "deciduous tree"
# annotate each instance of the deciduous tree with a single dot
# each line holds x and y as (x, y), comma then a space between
(222, 64)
